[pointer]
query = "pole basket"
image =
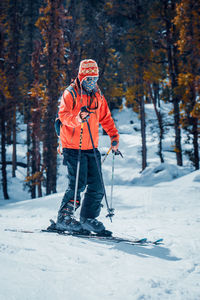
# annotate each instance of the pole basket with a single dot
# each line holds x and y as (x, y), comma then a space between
(110, 213)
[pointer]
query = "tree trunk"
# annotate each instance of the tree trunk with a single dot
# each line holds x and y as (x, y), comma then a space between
(39, 190)
(177, 133)
(37, 177)
(195, 143)
(28, 142)
(143, 124)
(156, 100)
(3, 151)
(13, 69)
(3, 115)
(143, 133)
(33, 167)
(39, 187)
(14, 153)
(54, 58)
(194, 122)
(173, 73)
(54, 167)
(177, 129)
(50, 159)
(195, 72)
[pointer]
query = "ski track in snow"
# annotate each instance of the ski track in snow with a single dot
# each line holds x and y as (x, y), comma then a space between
(48, 266)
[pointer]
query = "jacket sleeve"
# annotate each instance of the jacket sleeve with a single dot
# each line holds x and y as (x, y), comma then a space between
(66, 115)
(106, 120)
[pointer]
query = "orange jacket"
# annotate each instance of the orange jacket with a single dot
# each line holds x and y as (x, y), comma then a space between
(71, 127)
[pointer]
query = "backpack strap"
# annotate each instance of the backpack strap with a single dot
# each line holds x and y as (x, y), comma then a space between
(73, 93)
(58, 123)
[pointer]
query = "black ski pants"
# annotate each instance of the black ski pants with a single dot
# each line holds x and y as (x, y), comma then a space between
(89, 179)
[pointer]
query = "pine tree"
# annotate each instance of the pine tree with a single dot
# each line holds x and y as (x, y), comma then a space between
(4, 99)
(92, 37)
(29, 33)
(135, 62)
(36, 94)
(187, 21)
(50, 23)
(5, 95)
(168, 13)
(155, 71)
(12, 68)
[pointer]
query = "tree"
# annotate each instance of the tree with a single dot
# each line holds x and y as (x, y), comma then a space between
(187, 21)
(29, 33)
(154, 90)
(4, 98)
(36, 95)
(50, 23)
(135, 62)
(168, 10)
(12, 68)
(155, 72)
(81, 42)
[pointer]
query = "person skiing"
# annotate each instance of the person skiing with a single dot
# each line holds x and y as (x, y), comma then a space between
(83, 92)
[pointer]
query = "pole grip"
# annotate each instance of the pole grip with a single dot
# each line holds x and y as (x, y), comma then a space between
(114, 143)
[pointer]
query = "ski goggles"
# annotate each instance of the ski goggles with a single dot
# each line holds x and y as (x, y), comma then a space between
(89, 83)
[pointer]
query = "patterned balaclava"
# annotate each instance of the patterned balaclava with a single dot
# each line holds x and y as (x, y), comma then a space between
(89, 83)
(88, 74)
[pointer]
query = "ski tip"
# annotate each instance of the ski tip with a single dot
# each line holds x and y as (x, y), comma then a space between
(158, 241)
(52, 222)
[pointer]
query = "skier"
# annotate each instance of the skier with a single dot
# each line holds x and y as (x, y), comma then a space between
(84, 91)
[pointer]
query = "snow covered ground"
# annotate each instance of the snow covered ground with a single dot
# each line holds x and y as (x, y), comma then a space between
(163, 201)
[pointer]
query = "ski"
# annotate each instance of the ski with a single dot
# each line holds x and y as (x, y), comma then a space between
(96, 237)
(116, 239)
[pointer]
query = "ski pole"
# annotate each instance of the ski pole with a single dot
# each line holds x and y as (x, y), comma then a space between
(112, 180)
(117, 152)
(110, 211)
(114, 143)
(78, 169)
(106, 155)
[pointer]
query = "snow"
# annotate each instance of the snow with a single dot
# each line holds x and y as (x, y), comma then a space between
(160, 173)
(161, 202)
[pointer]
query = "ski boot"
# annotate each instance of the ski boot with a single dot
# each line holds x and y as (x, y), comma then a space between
(66, 221)
(94, 225)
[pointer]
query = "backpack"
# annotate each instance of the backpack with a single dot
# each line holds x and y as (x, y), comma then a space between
(58, 123)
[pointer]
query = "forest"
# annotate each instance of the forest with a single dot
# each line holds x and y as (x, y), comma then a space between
(148, 51)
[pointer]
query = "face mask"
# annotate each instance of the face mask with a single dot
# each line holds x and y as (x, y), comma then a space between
(89, 83)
